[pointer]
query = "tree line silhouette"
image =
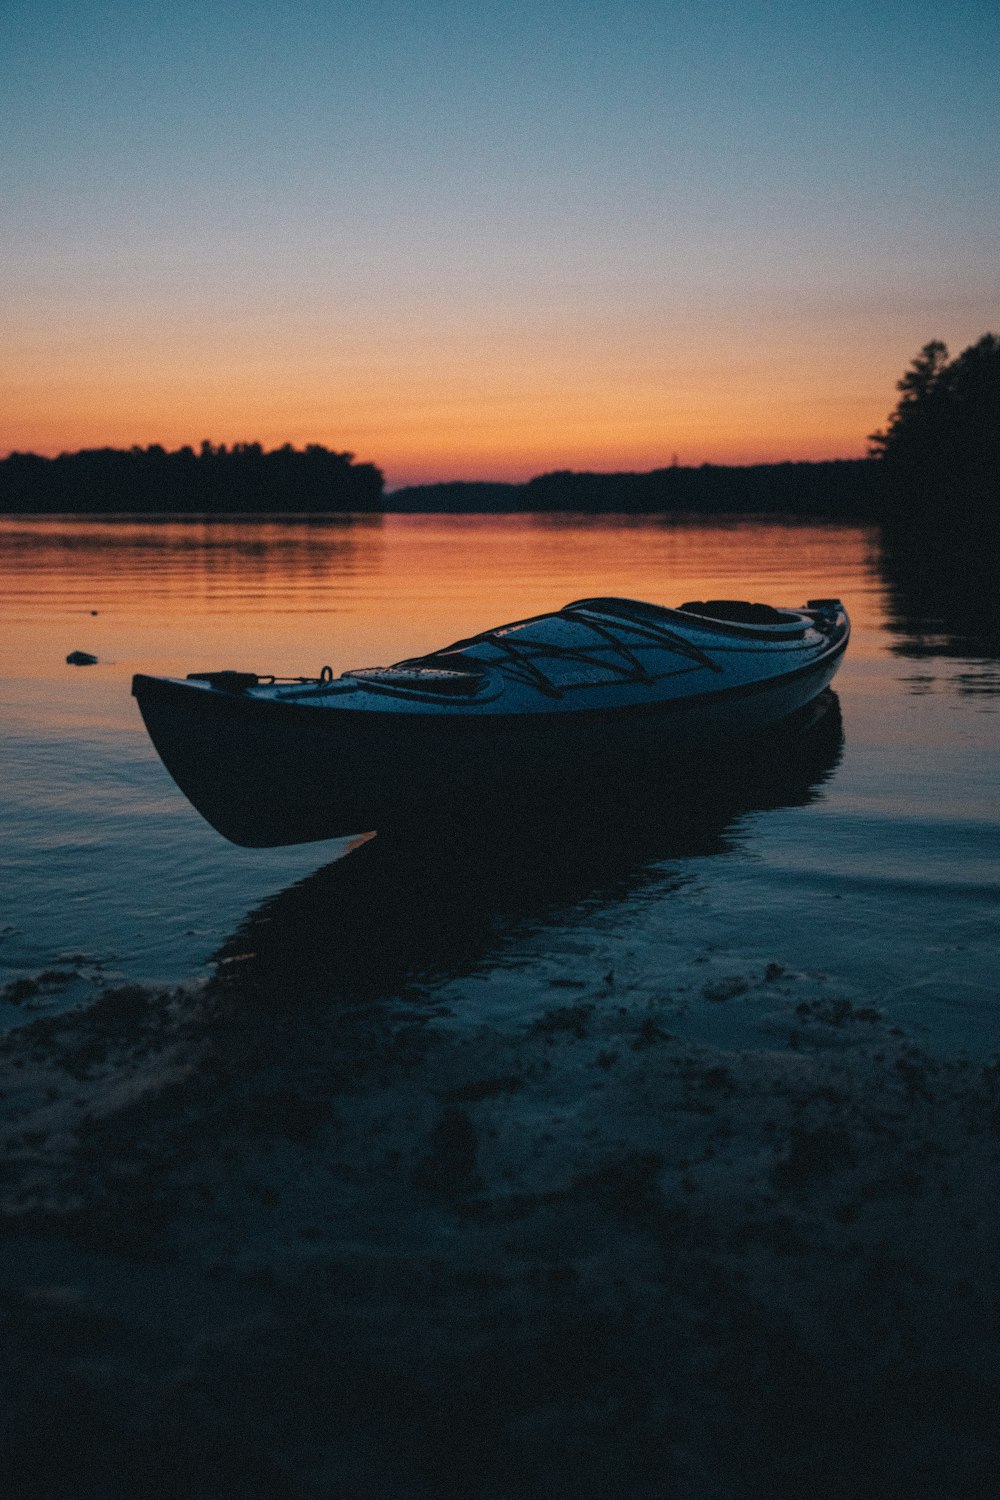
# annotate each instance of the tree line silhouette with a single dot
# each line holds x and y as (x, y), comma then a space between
(242, 477)
(939, 455)
(938, 462)
(245, 478)
(839, 487)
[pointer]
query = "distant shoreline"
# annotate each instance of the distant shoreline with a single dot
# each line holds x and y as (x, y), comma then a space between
(246, 480)
(832, 487)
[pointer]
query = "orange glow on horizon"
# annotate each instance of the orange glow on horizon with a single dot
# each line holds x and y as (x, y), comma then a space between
(507, 412)
(497, 449)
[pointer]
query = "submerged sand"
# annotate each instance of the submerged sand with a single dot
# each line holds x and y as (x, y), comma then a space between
(262, 1249)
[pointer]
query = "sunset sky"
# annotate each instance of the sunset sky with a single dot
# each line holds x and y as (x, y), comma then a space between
(485, 241)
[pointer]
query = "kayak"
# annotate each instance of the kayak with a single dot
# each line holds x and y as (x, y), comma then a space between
(598, 689)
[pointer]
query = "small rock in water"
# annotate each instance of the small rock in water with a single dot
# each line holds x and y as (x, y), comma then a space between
(80, 659)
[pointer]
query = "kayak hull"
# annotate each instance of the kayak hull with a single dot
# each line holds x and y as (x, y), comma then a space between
(265, 772)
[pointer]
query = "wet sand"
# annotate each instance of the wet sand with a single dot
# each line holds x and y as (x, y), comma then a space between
(262, 1248)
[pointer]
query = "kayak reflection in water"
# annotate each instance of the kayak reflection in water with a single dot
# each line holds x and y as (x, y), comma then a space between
(434, 901)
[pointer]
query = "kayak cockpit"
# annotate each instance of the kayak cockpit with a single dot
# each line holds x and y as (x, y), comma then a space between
(729, 616)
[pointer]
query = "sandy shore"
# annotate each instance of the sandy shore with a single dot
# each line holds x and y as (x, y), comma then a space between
(261, 1249)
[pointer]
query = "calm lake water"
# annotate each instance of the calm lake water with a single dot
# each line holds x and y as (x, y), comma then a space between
(874, 864)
